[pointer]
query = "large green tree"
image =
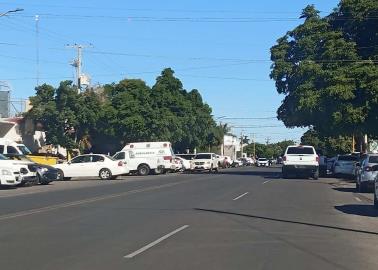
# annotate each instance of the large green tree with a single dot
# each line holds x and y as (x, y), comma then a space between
(327, 84)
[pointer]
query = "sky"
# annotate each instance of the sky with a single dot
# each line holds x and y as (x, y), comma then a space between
(219, 47)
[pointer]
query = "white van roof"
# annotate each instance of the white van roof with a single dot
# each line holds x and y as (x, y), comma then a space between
(144, 145)
(6, 141)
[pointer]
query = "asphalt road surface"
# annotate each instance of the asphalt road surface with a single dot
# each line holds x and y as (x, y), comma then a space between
(244, 218)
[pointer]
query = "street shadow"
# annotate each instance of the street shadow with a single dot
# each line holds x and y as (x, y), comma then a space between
(345, 189)
(358, 209)
(266, 174)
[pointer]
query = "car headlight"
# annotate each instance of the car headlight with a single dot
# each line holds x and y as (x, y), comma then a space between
(6, 172)
(44, 170)
(208, 162)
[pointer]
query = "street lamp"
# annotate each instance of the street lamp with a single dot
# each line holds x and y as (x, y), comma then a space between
(11, 11)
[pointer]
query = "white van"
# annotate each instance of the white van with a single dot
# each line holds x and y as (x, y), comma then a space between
(144, 157)
(10, 147)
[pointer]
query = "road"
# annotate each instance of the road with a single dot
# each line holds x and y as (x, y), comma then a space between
(244, 218)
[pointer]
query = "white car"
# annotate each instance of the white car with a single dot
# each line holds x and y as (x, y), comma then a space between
(205, 162)
(300, 160)
(92, 165)
(262, 162)
(181, 163)
(345, 165)
(9, 176)
(365, 173)
(27, 170)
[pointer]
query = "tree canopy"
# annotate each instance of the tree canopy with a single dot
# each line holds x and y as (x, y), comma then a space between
(106, 118)
(327, 70)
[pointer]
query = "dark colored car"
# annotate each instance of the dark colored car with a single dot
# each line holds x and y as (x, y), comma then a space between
(45, 173)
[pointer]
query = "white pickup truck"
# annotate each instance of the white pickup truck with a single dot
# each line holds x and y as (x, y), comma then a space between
(300, 160)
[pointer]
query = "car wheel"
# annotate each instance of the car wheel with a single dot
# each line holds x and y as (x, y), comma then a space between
(315, 175)
(158, 170)
(60, 175)
(40, 181)
(143, 170)
(105, 174)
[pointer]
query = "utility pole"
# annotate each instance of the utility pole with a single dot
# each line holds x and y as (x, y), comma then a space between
(77, 63)
(37, 46)
(241, 144)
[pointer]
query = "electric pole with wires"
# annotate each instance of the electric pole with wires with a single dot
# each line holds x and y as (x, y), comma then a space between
(77, 63)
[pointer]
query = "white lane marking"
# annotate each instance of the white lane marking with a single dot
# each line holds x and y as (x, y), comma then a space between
(154, 243)
(80, 202)
(267, 181)
(238, 197)
(358, 199)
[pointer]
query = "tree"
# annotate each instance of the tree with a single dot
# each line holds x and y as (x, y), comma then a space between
(105, 119)
(328, 146)
(326, 84)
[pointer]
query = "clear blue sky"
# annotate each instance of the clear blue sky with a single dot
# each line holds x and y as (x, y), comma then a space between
(219, 47)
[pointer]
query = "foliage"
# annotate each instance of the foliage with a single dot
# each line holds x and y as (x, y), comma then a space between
(328, 146)
(273, 150)
(326, 73)
(104, 119)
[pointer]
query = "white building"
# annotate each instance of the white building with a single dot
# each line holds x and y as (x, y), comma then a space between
(231, 145)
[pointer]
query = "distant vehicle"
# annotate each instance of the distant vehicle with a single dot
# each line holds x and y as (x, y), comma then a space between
(9, 175)
(300, 160)
(262, 162)
(45, 174)
(179, 163)
(205, 162)
(147, 157)
(237, 163)
(365, 174)
(92, 165)
(345, 165)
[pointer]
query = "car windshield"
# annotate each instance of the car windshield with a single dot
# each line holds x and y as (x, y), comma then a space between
(300, 151)
(373, 159)
(347, 158)
(24, 149)
(2, 157)
(203, 156)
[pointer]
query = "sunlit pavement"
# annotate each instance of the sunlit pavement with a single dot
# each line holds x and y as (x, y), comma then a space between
(244, 218)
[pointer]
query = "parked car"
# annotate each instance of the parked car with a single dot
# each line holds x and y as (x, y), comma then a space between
(28, 172)
(344, 166)
(262, 162)
(237, 163)
(178, 163)
(9, 175)
(300, 160)
(205, 162)
(185, 163)
(45, 174)
(146, 157)
(365, 174)
(92, 165)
